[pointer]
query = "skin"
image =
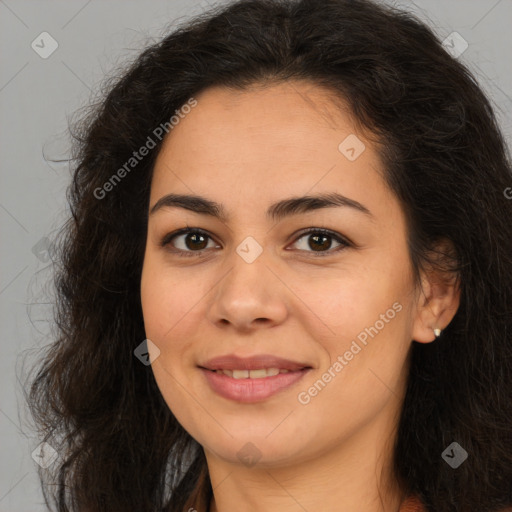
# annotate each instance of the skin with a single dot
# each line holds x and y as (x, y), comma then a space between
(247, 150)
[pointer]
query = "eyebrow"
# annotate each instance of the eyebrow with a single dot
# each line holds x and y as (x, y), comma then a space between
(275, 212)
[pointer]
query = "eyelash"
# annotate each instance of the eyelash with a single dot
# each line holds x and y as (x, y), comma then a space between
(185, 231)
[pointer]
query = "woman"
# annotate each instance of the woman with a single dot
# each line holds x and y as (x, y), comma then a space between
(287, 280)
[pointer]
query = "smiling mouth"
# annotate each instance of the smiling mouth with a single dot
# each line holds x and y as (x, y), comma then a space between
(255, 374)
(251, 386)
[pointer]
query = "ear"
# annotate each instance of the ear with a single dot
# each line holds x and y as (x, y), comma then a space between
(439, 297)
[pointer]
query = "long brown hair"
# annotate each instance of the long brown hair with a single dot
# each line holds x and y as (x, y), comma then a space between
(121, 447)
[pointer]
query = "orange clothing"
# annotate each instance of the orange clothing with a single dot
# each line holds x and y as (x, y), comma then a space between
(412, 504)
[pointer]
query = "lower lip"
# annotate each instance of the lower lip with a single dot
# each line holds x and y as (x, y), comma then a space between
(251, 390)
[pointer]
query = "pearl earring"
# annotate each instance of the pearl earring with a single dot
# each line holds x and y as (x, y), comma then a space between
(437, 332)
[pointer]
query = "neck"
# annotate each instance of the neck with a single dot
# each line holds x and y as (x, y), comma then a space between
(356, 476)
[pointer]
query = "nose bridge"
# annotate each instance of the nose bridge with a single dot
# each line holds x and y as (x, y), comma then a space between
(247, 280)
(248, 291)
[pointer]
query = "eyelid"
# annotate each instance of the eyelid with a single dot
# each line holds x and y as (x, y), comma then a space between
(342, 240)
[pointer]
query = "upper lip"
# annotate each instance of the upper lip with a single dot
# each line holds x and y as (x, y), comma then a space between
(232, 362)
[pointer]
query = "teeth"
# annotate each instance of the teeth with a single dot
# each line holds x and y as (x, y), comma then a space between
(257, 374)
(252, 374)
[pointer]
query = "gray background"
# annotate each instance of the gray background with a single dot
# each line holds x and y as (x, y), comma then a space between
(38, 96)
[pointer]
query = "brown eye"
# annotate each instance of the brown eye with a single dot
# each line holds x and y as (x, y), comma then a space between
(187, 241)
(194, 241)
(320, 241)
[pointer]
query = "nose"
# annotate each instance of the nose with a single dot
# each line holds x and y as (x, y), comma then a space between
(249, 296)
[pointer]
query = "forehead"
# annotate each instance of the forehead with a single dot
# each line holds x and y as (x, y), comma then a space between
(288, 111)
(300, 116)
(263, 142)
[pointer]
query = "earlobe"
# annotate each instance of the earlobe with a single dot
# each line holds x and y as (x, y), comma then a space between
(437, 304)
(436, 314)
(426, 328)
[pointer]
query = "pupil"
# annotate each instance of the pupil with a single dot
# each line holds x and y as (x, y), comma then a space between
(194, 237)
(316, 237)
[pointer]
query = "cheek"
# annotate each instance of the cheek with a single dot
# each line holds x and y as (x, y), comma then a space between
(350, 302)
(164, 312)
(165, 297)
(367, 305)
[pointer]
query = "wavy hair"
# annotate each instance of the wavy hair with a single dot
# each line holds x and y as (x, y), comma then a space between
(446, 161)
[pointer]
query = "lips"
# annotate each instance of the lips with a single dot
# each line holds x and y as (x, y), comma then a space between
(251, 390)
(252, 379)
(258, 362)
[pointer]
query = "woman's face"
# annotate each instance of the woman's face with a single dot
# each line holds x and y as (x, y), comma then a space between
(254, 283)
